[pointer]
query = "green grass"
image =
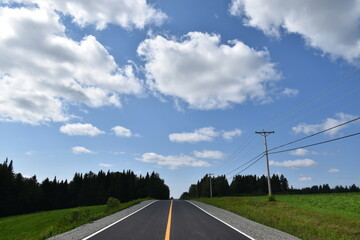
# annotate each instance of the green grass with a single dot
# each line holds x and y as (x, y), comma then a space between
(317, 216)
(38, 226)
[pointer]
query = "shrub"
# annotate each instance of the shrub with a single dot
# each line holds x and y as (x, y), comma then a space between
(112, 203)
(271, 198)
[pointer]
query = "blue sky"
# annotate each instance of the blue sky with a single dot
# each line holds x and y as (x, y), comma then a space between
(179, 87)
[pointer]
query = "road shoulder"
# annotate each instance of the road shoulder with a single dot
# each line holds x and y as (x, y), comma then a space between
(251, 228)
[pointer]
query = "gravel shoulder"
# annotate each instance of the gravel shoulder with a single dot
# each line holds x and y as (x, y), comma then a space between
(92, 227)
(251, 228)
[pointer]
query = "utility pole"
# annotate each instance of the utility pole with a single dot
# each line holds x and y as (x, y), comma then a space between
(263, 133)
(210, 175)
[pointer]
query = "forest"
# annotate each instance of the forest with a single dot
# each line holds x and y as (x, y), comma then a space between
(253, 185)
(19, 195)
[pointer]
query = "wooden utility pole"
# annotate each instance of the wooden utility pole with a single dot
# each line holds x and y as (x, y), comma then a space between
(263, 133)
(210, 175)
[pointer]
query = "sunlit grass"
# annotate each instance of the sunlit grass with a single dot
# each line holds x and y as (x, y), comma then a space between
(318, 216)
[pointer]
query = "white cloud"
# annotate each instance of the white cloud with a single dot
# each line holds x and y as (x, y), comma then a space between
(173, 162)
(328, 123)
(290, 92)
(209, 154)
(125, 13)
(79, 150)
(118, 153)
(79, 129)
(206, 134)
(231, 134)
(42, 70)
(334, 170)
(206, 74)
(304, 179)
(122, 132)
(105, 165)
(332, 27)
(304, 152)
(300, 152)
(29, 153)
(295, 163)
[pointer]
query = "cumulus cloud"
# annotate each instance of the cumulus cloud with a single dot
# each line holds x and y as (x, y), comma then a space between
(328, 123)
(206, 134)
(105, 165)
(173, 162)
(42, 70)
(80, 150)
(334, 170)
(123, 132)
(304, 179)
(295, 163)
(330, 26)
(231, 134)
(125, 13)
(209, 154)
(206, 74)
(79, 129)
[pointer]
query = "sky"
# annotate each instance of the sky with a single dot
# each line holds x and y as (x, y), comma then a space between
(179, 87)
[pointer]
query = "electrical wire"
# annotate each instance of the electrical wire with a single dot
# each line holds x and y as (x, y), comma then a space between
(314, 144)
(248, 166)
(260, 155)
(326, 91)
(325, 105)
(232, 157)
(312, 135)
(241, 157)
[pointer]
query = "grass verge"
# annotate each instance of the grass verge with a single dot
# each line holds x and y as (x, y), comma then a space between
(318, 216)
(42, 225)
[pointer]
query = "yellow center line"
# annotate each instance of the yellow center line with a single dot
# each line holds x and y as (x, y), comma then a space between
(167, 234)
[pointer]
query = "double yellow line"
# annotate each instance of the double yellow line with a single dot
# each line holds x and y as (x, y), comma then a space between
(167, 234)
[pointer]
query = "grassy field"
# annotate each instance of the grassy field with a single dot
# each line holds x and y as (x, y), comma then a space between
(38, 226)
(312, 217)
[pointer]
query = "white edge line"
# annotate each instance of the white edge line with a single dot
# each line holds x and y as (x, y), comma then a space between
(117, 221)
(221, 220)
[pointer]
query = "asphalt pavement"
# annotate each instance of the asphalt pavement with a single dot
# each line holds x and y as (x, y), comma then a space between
(184, 221)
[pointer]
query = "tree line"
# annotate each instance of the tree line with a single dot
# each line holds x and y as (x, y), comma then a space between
(19, 195)
(255, 185)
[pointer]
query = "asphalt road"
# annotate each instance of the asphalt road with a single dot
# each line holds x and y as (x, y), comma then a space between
(157, 221)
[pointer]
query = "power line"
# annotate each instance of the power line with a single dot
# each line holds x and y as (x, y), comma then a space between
(326, 91)
(232, 157)
(261, 154)
(314, 144)
(312, 135)
(325, 105)
(248, 166)
(241, 157)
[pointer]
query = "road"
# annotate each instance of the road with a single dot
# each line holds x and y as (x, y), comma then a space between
(167, 220)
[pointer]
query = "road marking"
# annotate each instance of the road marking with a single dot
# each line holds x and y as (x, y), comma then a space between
(221, 221)
(167, 234)
(117, 221)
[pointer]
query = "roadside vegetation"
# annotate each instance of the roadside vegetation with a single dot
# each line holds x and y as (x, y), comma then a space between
(22, 195)
(42, 225)
(307, 216)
